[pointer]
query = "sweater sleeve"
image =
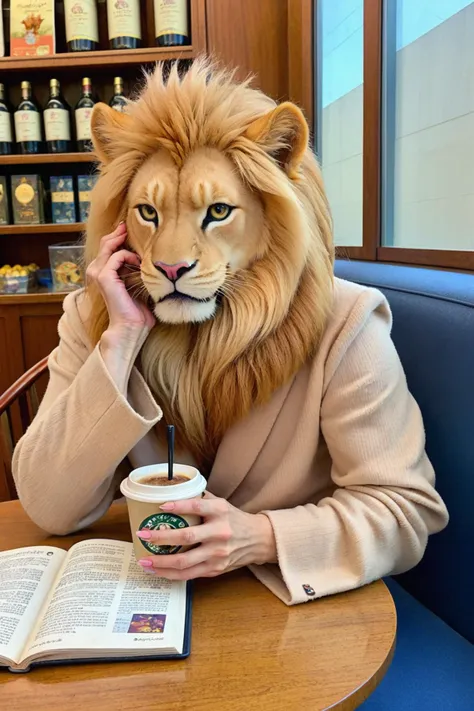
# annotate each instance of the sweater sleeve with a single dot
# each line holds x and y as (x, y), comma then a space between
(384, 506)
(65, 463)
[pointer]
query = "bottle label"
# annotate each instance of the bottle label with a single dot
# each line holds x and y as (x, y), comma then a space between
(5, 127)
(56, 125)
(123, 18)
(81, 20)
(27, 126)
(83, 124)
(171, 17)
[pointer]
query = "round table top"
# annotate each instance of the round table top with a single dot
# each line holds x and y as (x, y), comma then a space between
(249, 651)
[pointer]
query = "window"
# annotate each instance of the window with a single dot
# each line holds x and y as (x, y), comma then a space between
(429, 124)
(394, 100)
(340, 48)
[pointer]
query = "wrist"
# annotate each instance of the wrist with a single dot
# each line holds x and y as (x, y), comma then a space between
(124, 335)
(119, 348)
(265, 543)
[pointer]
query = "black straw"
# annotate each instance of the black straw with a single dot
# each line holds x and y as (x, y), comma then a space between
(170, 451)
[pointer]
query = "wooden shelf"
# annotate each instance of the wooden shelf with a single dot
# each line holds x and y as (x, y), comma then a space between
(40, 296)
(41, 229)
(99, 59)
(16, 159)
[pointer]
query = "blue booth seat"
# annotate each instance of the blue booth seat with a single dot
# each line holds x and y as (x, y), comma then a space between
(433, 331)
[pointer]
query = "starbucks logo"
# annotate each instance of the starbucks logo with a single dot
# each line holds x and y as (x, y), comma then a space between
(161, 522)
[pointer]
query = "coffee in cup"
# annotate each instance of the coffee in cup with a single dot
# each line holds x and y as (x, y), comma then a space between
(146, 489)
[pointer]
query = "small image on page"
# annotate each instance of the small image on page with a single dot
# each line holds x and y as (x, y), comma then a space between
(26, 577)
(149, 605)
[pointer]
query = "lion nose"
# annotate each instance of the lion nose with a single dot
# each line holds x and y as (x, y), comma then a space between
(174, 271)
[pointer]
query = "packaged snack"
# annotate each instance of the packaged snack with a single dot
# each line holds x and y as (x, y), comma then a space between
(17, 279)
(66, 261)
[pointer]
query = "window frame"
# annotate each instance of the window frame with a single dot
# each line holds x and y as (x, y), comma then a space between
(378, 159)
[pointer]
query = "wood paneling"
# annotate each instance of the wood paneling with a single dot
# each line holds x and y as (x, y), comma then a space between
(372, 150)
(39, 337)
(252, 35)
(249, 651)
(29, 333)
(300, 56)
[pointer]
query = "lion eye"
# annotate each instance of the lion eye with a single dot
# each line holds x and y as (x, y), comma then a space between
(148, 213)
(216, 213)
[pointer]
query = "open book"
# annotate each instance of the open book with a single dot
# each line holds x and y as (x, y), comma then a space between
(91, 603)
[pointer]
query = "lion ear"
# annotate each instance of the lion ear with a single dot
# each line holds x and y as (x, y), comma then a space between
(283, 133)
(106, 126)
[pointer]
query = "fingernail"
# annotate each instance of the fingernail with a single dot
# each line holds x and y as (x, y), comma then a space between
(144, 534)
(169, 506)
(145, 563)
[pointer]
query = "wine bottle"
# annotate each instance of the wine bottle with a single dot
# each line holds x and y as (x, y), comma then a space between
(82, 29)
(28, 122)
(57, 121)
(118, 100)
(171, 23)
(83, 114)
(6, 133)
(123, 21)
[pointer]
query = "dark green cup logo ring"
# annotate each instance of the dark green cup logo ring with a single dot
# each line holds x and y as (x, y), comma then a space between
(161, 522)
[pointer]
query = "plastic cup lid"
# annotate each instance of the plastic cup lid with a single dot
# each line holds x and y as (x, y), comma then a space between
(132, 487)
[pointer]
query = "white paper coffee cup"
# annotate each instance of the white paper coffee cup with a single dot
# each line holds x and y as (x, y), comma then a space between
(144, 501)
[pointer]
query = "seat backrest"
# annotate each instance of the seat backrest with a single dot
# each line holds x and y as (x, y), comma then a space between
(18, 405)
(433, 331)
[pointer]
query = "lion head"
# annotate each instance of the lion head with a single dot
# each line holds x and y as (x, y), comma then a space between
(225, 205)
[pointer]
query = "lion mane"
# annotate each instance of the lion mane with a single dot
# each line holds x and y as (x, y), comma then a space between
(208, 376)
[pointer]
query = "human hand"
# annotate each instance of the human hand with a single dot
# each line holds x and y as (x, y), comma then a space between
(125, 314)
(228, 538)
(130, 321)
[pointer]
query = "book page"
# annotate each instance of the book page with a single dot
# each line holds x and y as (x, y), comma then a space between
(103, 600)
(26, 578)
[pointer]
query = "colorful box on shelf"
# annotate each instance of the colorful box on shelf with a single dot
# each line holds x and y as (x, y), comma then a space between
(32, 31)
(63, 206)
(27, 199)
(85, 185)
(4, 207)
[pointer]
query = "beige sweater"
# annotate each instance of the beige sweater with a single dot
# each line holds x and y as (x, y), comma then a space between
(336, 459)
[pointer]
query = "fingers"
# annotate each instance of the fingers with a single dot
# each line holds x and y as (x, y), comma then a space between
(108, 275)
(209, 506)
(108, 245)
(178, 561)
(188, 536)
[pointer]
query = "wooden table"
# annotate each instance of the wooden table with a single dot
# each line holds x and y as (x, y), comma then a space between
(249, 651)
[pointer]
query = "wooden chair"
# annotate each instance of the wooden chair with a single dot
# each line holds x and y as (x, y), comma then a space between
(18, 406)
